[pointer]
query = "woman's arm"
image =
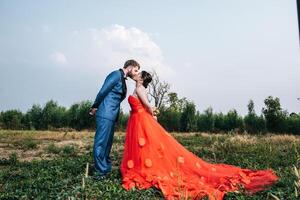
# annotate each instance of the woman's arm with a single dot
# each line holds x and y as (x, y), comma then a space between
(141, 92)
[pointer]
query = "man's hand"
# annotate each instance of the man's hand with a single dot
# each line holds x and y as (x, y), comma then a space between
(93, 111)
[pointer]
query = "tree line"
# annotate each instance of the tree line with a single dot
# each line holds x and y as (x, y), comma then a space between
(181, 115)
(176, 115)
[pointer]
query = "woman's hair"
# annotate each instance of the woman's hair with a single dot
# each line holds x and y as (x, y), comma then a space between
(147, 78)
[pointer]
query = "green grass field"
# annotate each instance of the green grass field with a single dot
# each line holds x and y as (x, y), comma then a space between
(52, 165)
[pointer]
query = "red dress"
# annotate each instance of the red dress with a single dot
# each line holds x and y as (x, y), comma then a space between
(152, 157)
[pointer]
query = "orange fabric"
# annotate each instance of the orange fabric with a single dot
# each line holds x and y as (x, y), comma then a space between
(152, 157)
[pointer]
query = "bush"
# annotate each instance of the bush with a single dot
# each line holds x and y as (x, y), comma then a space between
(29, 143)
(69, 150)
(51, 148)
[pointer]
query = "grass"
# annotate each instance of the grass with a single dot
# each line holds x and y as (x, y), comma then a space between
(62, 174)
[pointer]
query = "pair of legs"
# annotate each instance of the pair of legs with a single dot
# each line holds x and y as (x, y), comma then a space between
(102, 145)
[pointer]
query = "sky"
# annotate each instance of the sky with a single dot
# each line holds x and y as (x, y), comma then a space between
(218, 54)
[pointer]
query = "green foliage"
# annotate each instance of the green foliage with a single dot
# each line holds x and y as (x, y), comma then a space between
(78, 116)
(29, 143)
(293, 123)
(35, 117)
(170, 114)
(175, 103)
(51, 148)
(232, 121)
(169, 118)
(13, 159)
(177, 114)
(254, 123)
(274, 115)
(188, 117)
(205, 121)
(122, 121)
(53, 116)
(12, 119)
(65, 151)
(69, 150)
(61, 178)
(26, 144)
(219, 122)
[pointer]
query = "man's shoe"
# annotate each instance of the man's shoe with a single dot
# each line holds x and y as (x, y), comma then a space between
(99, 177)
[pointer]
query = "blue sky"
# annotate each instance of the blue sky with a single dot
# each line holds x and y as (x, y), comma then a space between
(218, 54)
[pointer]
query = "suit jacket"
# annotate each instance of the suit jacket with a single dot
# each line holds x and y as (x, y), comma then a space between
(111, 94)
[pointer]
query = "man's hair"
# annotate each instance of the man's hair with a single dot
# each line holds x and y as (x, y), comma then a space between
(131, 62)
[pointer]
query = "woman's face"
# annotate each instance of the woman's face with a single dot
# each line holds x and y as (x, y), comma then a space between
(138, 77)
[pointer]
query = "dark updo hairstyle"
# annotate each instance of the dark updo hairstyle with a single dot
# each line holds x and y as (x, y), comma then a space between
(147, 78)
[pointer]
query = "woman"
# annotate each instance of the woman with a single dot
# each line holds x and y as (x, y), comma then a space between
(152, 157)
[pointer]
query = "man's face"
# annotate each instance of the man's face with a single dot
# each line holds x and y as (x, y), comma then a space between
(134, 70)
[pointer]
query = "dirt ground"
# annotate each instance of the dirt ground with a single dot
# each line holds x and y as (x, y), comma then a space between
(33, 145)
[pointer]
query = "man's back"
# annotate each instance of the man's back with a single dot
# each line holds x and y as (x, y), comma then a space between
(110, 96)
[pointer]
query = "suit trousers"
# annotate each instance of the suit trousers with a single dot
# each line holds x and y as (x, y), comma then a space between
(102, 145)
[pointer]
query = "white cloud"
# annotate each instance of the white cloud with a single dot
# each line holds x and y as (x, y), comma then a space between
(112, 46)
(59, 58)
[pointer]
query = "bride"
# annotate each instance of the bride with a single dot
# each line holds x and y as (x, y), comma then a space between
(152, 157)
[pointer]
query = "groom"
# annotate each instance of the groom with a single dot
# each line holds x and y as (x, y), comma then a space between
(107, 108)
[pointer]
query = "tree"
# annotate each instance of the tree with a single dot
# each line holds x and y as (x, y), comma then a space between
(169, 118)
(78, 117)
(233, 121)
(188, 117)
(205, 122)
(274, 115)
(219, 122)
(170, 112)
(158, 90)
(12, 119)
(293, 123)
(174, 102)
(53, 116)
(35, 117)
(122, 121)
(254, 123)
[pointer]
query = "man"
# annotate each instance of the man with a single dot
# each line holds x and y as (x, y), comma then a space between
(106, 107)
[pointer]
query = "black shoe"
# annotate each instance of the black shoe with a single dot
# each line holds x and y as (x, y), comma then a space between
(99, 177)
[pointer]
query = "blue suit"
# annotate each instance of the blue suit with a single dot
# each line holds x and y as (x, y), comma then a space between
(108, 99)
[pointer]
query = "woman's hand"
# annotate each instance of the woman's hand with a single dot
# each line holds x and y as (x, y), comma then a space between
(155, 117)
(150, 109)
